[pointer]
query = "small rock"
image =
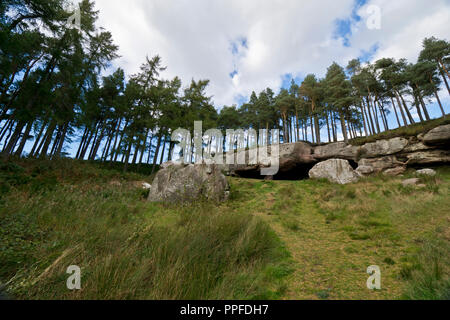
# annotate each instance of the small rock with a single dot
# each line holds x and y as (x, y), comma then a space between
(410, 182)
(426, 172)
(365, 170)
(421, 186)
(146, 186)
(394, 172)
(115, 183)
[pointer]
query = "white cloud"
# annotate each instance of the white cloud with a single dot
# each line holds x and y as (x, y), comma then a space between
(195, 37)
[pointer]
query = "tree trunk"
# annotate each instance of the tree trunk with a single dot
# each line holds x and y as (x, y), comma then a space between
(9, 149)
(37, 140)
(364, 118)
(83, 138)
(24, 139)
(164, 149)
(401, 109)
(344, 128)
(316, 124)
(445, 80)
(328, 127)
(62, 139)
(439, 101)
(48, 139)
(396, 113)
(411, 119)
(155, 158)
(444, 68)
(369, 128)
(424, 107)
(416, 104)
(370, 116)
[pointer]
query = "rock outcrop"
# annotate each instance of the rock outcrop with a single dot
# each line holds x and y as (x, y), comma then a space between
(383, 148)
(177, 183)
(334, 170)
(339, 150)
(438, 136)
(389, 156)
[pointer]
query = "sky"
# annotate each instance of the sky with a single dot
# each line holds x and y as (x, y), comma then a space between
(245, 46)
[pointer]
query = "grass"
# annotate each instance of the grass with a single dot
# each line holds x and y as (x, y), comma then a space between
(126, 247)
(409, 131)
(335, 232)
(272, 240)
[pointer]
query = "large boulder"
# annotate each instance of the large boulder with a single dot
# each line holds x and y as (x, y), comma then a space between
(177, 183)
(334, 170)
(383, 147)
(338, 150)
(438, 136)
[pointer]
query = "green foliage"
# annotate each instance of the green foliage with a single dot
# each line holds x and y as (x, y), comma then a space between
(427, 272)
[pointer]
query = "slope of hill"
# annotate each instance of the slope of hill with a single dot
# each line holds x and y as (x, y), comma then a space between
(271, 240)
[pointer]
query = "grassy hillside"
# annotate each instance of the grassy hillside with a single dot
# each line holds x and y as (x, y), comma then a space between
(272, 240)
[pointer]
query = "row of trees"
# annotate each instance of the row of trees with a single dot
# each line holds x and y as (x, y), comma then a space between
(355, 101)
(52, 94)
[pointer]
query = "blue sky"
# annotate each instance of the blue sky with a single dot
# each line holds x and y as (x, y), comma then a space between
(249, 45)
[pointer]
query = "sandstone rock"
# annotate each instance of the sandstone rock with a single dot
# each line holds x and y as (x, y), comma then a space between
(394, 171)
(338, 150)
(420, 146)
(426, 172)
(383, 147)
(335, 170)
(381, 164)
(410, 182)
(168, 164)
(429, 157)
(365, 170)
(293, 154)
(438, 136)
(187, 183)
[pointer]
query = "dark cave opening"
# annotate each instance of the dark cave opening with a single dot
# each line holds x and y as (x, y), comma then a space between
(294, 173)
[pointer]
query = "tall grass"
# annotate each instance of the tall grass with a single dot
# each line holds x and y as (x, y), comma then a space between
(428, 272)
(128, 248)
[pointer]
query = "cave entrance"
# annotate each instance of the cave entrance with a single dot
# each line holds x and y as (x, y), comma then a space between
(294, 173)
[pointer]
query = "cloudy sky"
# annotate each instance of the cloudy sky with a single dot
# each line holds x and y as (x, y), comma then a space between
(249, 45)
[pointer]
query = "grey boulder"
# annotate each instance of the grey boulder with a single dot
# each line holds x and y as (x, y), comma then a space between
(334, 170)
(426, 172)
(177, 183)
